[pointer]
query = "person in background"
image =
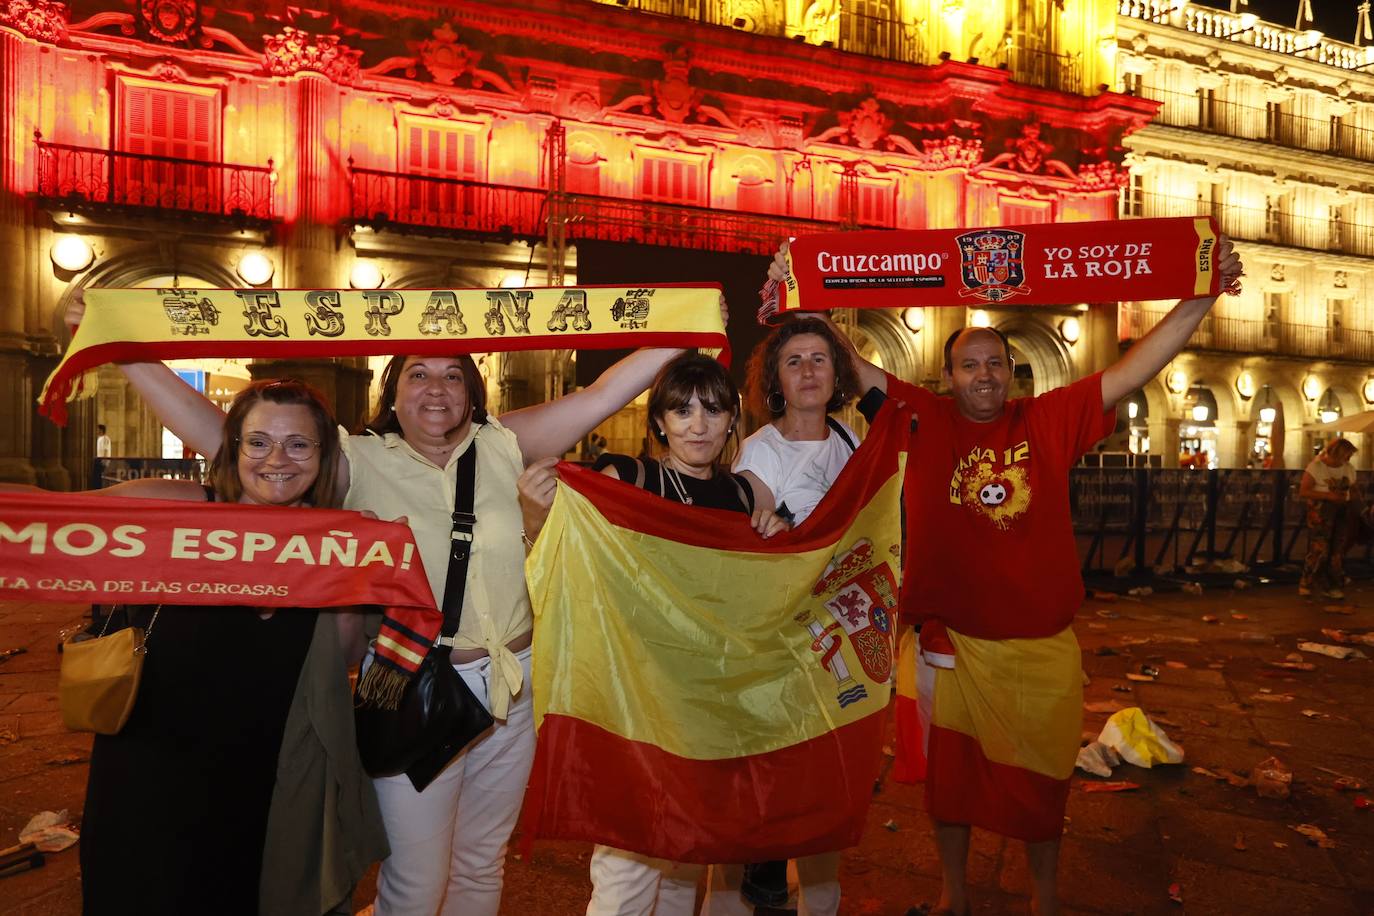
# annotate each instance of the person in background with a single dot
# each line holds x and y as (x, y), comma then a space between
(102, 442)
(1332, 494)
(798, 375)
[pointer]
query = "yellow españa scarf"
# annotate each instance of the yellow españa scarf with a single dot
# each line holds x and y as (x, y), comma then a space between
(133, 325)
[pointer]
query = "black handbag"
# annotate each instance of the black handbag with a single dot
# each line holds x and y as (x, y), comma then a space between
(438, 714)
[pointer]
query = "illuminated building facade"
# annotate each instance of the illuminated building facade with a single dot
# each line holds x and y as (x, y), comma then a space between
(165, 142)
(1270, 130)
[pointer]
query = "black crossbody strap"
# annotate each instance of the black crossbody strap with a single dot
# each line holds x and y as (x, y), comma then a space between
(839, 431)
(460, 540)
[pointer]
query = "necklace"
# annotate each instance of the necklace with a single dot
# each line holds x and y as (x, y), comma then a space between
(675, 480)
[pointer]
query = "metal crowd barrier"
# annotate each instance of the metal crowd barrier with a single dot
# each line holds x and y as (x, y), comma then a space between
(1143, 519)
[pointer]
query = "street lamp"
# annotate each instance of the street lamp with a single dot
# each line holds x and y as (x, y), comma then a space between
(365, 275)
(1070, 329)
(914, 319)
(255, 268)
(72, 253)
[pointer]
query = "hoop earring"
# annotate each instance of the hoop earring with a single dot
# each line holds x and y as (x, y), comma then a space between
(768, 402)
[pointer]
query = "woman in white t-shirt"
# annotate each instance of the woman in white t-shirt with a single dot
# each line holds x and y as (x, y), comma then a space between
(798, 376)
(1329, 487)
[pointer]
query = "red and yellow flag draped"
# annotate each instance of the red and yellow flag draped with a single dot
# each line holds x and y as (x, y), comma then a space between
(703, 695)
(129, 325)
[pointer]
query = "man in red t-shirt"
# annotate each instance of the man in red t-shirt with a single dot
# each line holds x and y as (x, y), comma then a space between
(992, 573)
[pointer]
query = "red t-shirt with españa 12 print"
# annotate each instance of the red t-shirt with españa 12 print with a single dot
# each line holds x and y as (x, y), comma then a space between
(990, 547)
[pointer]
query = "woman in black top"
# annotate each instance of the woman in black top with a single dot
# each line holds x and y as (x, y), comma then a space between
(693, 410)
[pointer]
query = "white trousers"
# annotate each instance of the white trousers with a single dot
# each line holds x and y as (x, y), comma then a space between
(628, 884)
(448, 843)
(818, 887)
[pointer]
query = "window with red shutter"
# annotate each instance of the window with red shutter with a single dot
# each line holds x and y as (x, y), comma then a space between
(877, 203)
(173, 136)
(444, 169)
(672, 180)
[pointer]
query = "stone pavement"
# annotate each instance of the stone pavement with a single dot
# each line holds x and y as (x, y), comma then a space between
(1225, 849)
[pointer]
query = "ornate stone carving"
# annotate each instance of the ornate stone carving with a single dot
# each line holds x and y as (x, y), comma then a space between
(1340, 280)
(584, 107)
(1276, 273)
(170, 21)
(540, 93)
(790, 131)
(1029, 155)
(674, 95)
(866, 125)
(293, 51)
(953, 152)
(755, 132)
(1102, 176)
(445, 57)
(39, 19)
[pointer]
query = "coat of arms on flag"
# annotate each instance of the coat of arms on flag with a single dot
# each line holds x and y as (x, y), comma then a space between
(991, 264)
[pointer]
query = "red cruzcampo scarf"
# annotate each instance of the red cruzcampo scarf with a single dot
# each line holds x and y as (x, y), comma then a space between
(1041, 264)
(64, 547)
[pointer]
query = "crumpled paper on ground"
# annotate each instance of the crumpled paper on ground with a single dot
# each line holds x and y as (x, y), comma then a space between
(1341, 652)
(1138, 740)
(49, 831)
(1097, 759)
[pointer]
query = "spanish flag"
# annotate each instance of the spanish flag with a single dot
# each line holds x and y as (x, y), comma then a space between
(703, 695)
(1004, 734)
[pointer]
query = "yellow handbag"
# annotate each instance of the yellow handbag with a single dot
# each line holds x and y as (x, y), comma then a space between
(99, 678)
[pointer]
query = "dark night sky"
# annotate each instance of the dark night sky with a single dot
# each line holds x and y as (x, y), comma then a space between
(1334, 17)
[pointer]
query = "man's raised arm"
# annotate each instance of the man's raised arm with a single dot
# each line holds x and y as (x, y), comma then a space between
(1165, 340)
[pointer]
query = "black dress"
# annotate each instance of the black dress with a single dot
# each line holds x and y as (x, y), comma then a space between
(177, 802)
(723, 490)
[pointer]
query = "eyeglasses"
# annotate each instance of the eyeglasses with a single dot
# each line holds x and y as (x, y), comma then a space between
(297, 448)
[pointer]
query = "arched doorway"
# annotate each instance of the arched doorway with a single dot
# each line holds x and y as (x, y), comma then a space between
(134, 431)
(1043, 362)
(1198, 445)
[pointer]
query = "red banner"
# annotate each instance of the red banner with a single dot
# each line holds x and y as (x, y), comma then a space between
(1041, 264)
(114, 550)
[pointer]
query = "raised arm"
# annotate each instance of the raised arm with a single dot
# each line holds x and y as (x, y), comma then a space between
(186, 412)
(552, 428)
(1165, 340)
(870, 376)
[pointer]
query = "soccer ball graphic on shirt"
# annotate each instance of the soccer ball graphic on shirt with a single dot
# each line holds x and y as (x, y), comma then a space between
(1000, 495)
(993, 494)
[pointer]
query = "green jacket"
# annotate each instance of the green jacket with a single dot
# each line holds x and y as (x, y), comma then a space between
(324, 829)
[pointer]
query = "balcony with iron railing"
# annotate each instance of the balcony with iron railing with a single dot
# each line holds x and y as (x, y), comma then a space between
(453, 206)
(1236, 28)
(676, 226)
(85, 178)
(1198, 112)
(1254, 224)
(1248, 335)
(448, 206)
